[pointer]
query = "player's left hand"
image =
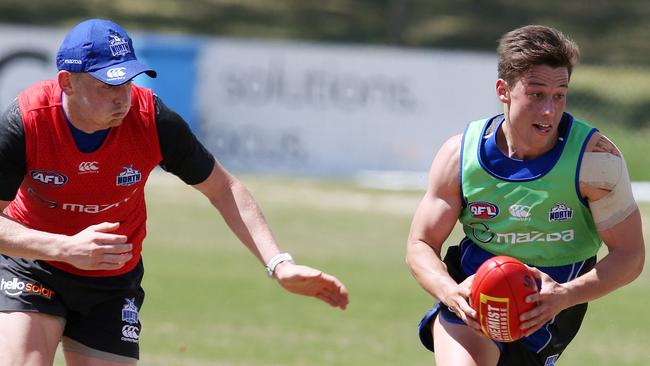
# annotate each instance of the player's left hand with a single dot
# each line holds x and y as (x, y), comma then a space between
(551, 299)
(308, 281)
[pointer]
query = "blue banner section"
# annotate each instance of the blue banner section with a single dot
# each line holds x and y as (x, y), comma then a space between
(174, 58)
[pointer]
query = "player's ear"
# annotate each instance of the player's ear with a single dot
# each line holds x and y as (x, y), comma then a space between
(503, 92)
(65, 81)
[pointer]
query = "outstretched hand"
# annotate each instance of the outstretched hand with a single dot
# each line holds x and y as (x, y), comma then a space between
(307, 281)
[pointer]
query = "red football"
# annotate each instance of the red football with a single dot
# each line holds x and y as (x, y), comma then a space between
(499, 292)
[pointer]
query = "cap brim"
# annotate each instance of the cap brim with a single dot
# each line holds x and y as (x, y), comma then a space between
(121, 73)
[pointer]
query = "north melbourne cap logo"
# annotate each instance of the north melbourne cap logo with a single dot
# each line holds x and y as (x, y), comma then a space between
(103, 49)
(118, 46)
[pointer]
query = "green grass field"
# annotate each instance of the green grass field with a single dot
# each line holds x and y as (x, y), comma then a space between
(210, 303)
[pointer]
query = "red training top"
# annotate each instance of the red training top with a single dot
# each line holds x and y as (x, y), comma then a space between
(65, 190)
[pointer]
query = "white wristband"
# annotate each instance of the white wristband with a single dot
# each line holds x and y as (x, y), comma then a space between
(277, 259)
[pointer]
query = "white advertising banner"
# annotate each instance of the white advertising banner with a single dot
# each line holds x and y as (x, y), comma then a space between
(337, 110)
(297, 108)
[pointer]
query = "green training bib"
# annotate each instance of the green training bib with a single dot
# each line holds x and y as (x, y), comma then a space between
(540, 220)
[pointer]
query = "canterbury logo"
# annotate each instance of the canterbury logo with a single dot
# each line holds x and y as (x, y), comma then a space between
(88, 167)
(116, 73)
(519, 211)
(131, 332)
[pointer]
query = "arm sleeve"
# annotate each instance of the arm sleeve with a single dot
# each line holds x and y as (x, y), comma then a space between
(13, 161)
(182, 153)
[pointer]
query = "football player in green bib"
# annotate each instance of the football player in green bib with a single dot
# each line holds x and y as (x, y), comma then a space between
(535, 184)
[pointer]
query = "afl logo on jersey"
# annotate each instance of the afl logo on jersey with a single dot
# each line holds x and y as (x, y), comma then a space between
(483, 210)
(49, 178)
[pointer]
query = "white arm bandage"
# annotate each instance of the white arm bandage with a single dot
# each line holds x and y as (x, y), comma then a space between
(607, 171)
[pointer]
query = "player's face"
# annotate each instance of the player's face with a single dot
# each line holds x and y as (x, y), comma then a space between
(534, 106)
(97, 105)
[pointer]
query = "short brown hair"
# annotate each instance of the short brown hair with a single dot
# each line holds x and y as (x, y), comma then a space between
(521, 49)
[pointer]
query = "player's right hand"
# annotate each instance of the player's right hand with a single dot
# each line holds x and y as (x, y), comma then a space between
(97, 248)
(457, 301)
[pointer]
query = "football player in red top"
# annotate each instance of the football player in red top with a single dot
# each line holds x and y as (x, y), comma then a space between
(76, 153)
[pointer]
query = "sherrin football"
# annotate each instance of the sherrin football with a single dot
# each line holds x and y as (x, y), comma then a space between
(498, 294)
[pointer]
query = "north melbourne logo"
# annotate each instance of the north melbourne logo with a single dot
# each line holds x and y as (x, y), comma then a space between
(130, 311)
(128, 176)
(560, 212)
(119, 46)
(130, 331)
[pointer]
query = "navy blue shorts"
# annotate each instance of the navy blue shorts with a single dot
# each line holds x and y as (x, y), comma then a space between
(100, 312)
(541, 348)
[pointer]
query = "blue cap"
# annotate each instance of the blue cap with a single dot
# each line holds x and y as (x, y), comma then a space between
(102, 49)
